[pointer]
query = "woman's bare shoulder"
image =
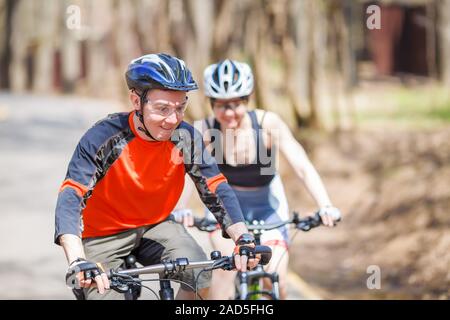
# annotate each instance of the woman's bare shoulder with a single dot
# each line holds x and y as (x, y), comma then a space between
(267, 119)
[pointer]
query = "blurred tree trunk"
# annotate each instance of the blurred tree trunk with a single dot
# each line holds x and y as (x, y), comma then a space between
(46, 26)
(200, 15)
(315, 54)
(6, 14)
(179, 27)
(301, 30)
(3, 42)
(256, 35)
(310, 30)
(335, 75)
(99, 46)
(22, 46)
(153, 26)
(444, 34)
(342, 64)
(124, 42)
(431, 39)
(71, 63)
(222, 28)
(284, 23)
(349, 42)
(184, 41)
(348, 75)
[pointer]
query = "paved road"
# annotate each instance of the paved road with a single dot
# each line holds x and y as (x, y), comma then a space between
(37, 137)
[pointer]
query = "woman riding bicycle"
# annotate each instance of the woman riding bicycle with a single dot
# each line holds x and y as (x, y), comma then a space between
(245, 145)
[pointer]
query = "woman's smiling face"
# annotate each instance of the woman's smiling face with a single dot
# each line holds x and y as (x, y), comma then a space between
(229, 112)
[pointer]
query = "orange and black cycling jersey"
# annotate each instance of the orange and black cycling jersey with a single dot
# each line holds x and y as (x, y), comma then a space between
(117, 181)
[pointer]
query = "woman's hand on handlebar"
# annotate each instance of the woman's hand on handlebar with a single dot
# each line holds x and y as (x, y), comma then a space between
(184, 216)
(329, 215)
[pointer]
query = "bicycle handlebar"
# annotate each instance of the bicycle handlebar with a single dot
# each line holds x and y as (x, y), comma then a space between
(204, 224)
(304, 224)
(123, 280)
(182, 264)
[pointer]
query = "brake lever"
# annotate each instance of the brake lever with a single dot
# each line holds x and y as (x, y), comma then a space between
(121, 283)
(225, 263)
(207, 226)
(118, 284)
(309, 223)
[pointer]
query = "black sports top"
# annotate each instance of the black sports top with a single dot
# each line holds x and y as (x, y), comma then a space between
(247, 175)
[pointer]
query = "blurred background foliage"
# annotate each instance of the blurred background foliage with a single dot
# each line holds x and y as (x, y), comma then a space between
(370, 106)
(312, 60)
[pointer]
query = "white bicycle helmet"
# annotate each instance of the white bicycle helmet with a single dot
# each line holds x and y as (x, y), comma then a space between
(228, 79)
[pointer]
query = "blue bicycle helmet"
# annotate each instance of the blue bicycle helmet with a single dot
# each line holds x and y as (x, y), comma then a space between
(159, 71)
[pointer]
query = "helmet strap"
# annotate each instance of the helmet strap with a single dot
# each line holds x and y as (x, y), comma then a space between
(140, 115)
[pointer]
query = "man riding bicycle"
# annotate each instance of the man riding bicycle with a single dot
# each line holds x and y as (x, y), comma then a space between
(245, 144)
(127, 174)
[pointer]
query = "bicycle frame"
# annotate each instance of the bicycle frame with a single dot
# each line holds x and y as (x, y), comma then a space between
(250, 286)
(251, 282)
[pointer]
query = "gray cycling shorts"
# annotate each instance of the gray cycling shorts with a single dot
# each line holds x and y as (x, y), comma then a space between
(167, 240)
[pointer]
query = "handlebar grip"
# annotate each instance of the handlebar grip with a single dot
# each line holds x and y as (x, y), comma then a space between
(309, 222)
(205, 225)
(198, 222)
(316, 220)
(264, 251)
(266, 254)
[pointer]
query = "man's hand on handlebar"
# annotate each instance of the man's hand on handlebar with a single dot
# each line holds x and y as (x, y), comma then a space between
(86, 274)
(244, 254)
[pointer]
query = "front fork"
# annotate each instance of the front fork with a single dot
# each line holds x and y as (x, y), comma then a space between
(249, 277)
(166, 292)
